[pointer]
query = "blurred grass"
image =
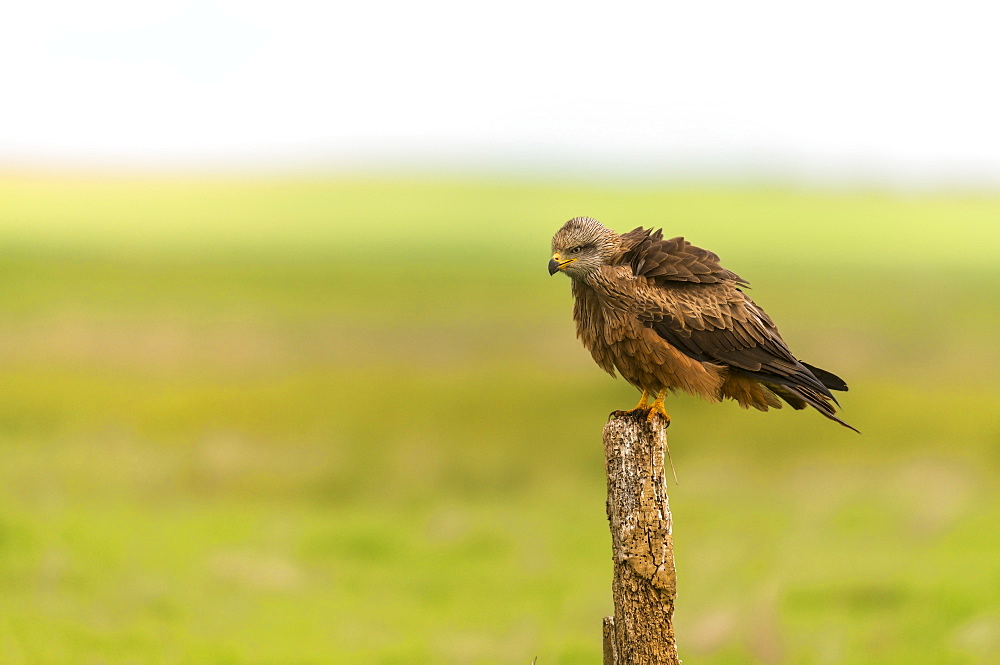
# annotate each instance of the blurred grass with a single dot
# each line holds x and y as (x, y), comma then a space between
(346, 421)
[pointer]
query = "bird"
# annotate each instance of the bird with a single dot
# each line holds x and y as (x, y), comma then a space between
(667, 316)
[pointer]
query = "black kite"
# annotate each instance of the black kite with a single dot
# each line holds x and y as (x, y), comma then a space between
(668, 317)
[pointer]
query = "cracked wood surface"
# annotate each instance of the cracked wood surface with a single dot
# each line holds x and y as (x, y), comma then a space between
(645, 582)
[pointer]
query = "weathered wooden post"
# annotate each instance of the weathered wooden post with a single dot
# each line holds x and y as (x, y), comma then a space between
(645, 582)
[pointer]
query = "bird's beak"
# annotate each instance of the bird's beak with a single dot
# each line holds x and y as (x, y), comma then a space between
(556, 263)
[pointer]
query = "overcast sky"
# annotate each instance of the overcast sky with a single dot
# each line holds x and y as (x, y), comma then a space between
(896, 89)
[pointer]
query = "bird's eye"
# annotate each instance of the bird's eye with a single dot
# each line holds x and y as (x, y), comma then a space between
(575, 250)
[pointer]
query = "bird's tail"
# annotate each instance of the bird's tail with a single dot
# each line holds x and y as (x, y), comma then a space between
(811, 386)
(817, 400)
(828, 379)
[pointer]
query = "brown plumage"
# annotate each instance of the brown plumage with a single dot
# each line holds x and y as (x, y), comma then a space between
(667, 316)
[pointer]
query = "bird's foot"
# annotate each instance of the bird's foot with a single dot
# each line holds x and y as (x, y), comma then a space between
(657, 410)
(648, 412)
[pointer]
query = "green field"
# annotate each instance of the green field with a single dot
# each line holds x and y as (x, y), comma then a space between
(339, 420)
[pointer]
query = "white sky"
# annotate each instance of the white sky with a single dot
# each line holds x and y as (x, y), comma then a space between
(907, 90)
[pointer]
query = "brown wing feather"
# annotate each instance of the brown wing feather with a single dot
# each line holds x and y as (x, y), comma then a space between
(720, 324)
(687, 315)
(674, 259)
(688, 299)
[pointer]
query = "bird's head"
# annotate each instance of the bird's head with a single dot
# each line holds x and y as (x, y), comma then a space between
(581, 247)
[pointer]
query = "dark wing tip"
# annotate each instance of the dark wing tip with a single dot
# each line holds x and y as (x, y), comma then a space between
(819, 402)
(828, 379)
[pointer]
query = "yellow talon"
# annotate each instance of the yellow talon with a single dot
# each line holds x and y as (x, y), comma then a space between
(647, 409)
(643, 406)
(658, 408)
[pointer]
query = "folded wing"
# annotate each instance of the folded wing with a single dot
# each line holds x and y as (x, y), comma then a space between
(696, 305)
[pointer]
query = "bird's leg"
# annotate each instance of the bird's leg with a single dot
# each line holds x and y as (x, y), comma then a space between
(658, 408)
(644, 408)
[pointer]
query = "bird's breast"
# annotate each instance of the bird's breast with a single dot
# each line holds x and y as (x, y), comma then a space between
(618, 339)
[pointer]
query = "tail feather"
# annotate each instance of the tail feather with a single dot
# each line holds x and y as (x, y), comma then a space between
(828, 379)
(784, 393)
(804, 386)
(808, 387)
(819, 402)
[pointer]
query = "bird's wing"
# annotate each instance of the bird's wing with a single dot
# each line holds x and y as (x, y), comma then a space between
(691, 301)
(718, 323)
(674, 259)
(696, 305)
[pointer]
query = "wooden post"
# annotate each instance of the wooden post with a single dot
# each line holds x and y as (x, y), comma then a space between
(645, 581)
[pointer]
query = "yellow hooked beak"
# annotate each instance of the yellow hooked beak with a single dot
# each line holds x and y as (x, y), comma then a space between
(556, 263)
